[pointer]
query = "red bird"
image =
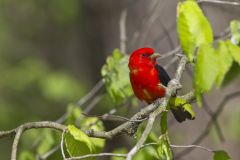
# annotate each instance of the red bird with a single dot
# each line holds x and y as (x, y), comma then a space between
(149, 79)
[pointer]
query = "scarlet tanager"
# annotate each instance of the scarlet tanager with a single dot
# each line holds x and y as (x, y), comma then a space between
(149, 79)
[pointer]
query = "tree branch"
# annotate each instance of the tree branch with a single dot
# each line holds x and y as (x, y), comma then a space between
(216, 114)
(146, 132)
(179, 146)
(220, 2)
(31, 125)
(129, 127)
(19, 132)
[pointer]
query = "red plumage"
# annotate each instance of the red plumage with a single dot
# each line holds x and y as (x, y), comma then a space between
(149, 79)
(144, 75)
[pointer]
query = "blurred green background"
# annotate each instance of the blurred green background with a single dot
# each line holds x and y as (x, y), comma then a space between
(38, 40)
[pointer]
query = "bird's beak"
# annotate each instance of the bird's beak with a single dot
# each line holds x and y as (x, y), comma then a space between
(155, 55)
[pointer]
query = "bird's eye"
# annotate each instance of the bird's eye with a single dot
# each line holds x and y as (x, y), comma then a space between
(144, 55)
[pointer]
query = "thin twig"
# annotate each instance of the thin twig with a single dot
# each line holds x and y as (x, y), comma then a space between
(85, 99)
(179, 146)
(109, 117)
(62, 145)
(31, 125)
(93, 103)
(149, 22)
(167, 33)
(123, 128)
(127, 127)
(123, 35)
(173, 60)
(97, 155)
(219, 2)
(217, 113)
(170, 53)
(191, 146)
(82, 101)
(225, 34)
(92, 93)
(19, 132)
(216, 124)
(146, 132)
(49, 153)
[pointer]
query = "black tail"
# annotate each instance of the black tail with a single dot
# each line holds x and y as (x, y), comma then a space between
(181, 115)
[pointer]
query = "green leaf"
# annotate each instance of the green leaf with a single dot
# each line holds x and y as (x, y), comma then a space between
(78, 143)
(188, 108)
(206, 70)
(49, 140)
(234, 51)
(26, 155)
(212, 65)
(163, 123)
(221, 155)
(232, 74)
(164, 149)
(73, 113)
(235, 31)
(146, 153)
(119, 151)
(74, 116)
(93, 123)
(193, 27)
(224, 61)
(115, 74)
(183, 106)
(151, 138)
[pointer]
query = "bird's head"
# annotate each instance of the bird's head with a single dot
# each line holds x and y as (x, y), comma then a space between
(142, 57)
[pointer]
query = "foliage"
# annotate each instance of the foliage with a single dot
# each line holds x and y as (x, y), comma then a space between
(163, 123)
(213, 61)
(178, 103)
(163, 148)
(77, 142)
(49, 140)
(147, 153)
(195, 34)
(76, 138)
(205, 71)
(26, 155)
(193, 27)
(235, 31)
(119, 151)
(220, 155)
(115, 74)
(212, 65)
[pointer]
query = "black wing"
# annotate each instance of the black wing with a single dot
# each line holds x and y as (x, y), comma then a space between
(162, 74)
